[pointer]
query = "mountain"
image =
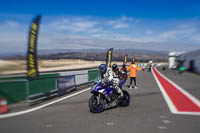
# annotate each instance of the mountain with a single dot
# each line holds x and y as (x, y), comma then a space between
(95, 54)
(55, 51)
(139, 51)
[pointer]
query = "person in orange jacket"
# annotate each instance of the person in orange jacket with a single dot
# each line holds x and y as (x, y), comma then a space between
(133, 68)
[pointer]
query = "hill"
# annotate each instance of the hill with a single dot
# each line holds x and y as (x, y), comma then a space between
(96, 54)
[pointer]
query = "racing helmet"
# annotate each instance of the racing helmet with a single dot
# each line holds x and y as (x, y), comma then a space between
(114, 67)
(102, 68)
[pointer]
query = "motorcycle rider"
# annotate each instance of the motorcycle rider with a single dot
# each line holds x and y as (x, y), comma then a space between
(102, 70)
(112, 75)
(124, 71)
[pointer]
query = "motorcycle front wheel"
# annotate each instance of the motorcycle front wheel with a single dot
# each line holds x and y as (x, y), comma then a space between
(96, 104)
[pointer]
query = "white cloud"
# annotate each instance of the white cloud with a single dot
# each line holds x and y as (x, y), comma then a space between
(196, 38)
(9, 25)
(175, 33)
(178, 34)
(149, 32)
(96, 30)
(121, 25)
(94, 33)
(188, 25)
(122, 22)
(72, 25)
(12, 24)
(125, 37)
(13, 36)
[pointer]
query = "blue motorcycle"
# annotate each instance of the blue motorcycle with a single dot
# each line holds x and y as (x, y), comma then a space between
(104, 96)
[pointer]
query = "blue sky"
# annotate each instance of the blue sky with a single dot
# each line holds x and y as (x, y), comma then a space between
(170, 25)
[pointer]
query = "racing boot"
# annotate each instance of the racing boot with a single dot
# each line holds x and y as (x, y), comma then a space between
(119, 91)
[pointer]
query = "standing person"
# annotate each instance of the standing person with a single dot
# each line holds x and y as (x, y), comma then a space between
(133, 68)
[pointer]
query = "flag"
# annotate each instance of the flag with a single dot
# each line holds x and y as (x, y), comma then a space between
(31, 57)
(125, 59)
(109, 57)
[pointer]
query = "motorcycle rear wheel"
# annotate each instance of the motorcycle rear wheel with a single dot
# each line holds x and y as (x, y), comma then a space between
(125, 101)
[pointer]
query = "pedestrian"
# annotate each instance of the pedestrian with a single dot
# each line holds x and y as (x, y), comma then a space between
(133, 68)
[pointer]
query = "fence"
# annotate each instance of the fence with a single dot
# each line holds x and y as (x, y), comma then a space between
(13, 90)
(17, 88)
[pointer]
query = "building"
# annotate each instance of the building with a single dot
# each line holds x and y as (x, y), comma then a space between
(172, 59)
(192, 61)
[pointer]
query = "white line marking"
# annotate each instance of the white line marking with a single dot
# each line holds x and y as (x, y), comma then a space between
(49, 126)
(162, 127)
(163, 117)
(109, 123)
(42, 106)
(166, 121)
(168, 100)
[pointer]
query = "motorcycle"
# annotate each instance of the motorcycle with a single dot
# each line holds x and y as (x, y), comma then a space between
(104, 96)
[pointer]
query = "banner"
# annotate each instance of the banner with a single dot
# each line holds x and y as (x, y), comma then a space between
(81, 76)
(65, 84)
(125, 59)
(81, 79)
(109, 57)
(31, 57)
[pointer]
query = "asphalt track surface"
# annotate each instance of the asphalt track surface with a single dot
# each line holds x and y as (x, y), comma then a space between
(147, 113)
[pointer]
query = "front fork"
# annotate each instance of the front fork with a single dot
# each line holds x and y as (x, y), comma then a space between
(98, 98)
